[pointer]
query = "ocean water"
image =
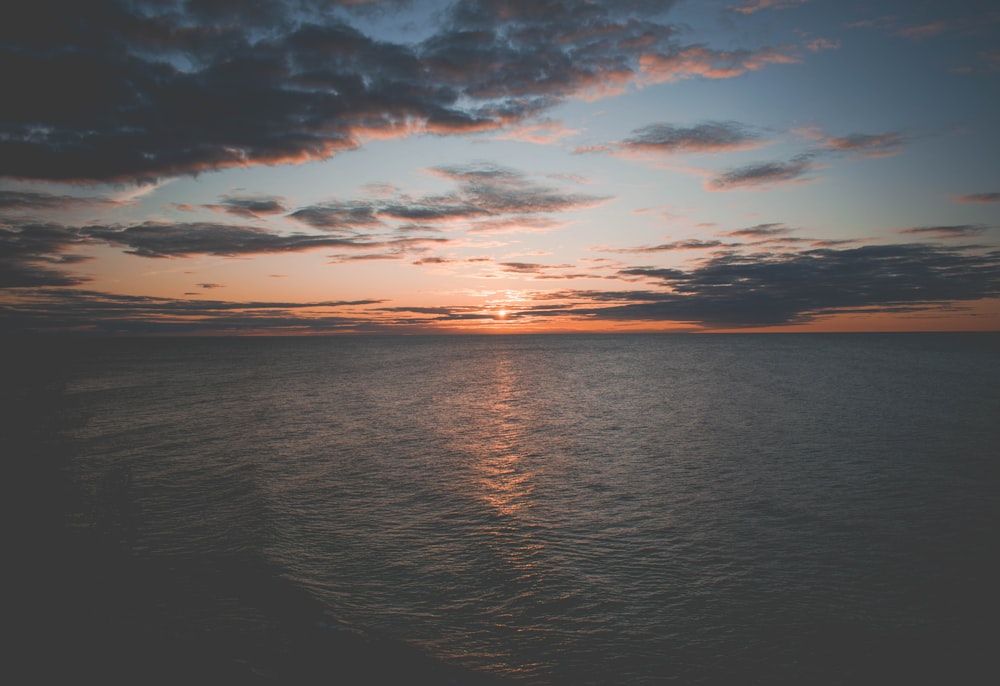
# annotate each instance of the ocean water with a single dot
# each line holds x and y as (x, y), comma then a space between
(809, 509)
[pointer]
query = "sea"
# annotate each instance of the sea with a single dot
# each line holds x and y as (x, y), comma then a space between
(529, 509)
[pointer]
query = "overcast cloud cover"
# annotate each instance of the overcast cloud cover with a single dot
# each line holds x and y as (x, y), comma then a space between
(396, 165)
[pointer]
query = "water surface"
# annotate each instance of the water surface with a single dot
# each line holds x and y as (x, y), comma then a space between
(554, 509)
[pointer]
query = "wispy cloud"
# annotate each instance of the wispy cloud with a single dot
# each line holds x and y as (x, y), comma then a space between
(159, 239)
(32, 202)
(761, 231)
(884, 144)
(541, 133)
(385, 225)
(250, 207)
(704, 62)
(978, 198)
(797, 169)
(673, 246)
(921, 31)
(867, 145)
(487, 198)
(764, 174)
(953, 19)
(752, 6)
(669, 139)
(953, 231)
(821, 44)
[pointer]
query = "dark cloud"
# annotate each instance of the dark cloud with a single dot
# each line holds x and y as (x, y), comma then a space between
(30, 255)
(33, 201)
(763, 174)
(250, 207)
(66, 309)
(532, 52)
(155, 239)
(338, 215)
(765, 289)
(954, 231)
(979, 198)
(137, 90)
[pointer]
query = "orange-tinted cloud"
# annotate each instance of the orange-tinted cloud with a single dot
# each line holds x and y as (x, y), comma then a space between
(709, 63)
(859, 144)
(920, 31)
(978, 198)
(752, 6)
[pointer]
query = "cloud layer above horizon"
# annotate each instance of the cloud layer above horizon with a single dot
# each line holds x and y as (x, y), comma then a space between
(591, 165)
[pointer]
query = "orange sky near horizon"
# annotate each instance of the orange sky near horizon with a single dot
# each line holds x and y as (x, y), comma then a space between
(325, 167)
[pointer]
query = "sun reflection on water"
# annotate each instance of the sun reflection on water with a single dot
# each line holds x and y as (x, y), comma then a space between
(503, 475)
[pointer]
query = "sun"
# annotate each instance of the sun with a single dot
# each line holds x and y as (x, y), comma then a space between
(502, 314)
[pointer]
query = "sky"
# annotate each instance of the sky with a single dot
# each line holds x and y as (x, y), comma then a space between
(205, 167)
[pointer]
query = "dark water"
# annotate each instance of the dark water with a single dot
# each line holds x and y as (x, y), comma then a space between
(810, 509)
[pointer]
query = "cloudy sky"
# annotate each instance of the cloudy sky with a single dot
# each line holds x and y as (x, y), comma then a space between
(323, 166)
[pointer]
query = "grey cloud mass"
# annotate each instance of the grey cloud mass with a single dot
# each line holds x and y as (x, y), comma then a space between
(31, 254)
(767, 289)
(111, 90)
